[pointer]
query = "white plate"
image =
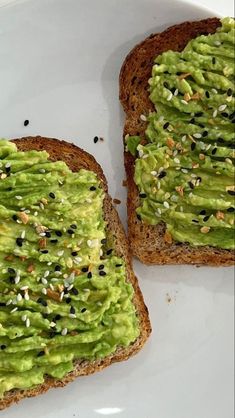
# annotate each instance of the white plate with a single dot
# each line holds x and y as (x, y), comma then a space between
(59, 65)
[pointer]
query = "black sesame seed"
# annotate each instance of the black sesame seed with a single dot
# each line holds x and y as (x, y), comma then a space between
(205, 219)
(2, 304)
(142, 195)
(231, 116)
(213, 152)
(74, 291)
(231, 192)
(118, 265)
(14, 217)
(73, 226)
(165, 84)
(229, 92)
(203, 212)
(165, 126)
(89, 275)
(85, 269)
(92, 188)
(138, 217)
(70, 231)
(213, 60)
(41, 353)
(178, 73)
(221, 140)
(96, 139)
(109, 251)
(44, 251)
(72, 310)
(103, 241)
(52, 334)
(199, 179)
(83, 310)
(54, 241)
(201, 125)
(52, 195)
(198, 114)
(191, 185)
(12, 280)
(162, 174)
(68, 300)
(207, 94)
(66, 291)
(192, 120)
(233, 120)
(19, 242)
(102, 273)
(58, 233)
(101, 267)
(3, 346)
(42, 302)
(224, 114)
(48, 234)
(26, 122)
(74, 253)
(231, 209)
(57, 267)
(204, 134)
(57, 317)
(193, 146)
(11, 270)
(8, 169)
(195, 221)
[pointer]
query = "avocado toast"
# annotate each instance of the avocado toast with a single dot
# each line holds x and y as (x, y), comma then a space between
(70, 303)
(177, 90)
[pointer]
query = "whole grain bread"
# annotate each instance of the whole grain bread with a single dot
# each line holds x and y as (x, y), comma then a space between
(146, 241)
(76, 158)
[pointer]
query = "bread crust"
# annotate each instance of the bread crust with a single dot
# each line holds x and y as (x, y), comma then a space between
(76, 158)
(147, 241)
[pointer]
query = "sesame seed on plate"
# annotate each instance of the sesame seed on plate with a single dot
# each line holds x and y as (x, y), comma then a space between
(18, 197)
(184, 102)
(166, 205)
(14, 310)
(217, 43)
(64, 331)
(222, 107)
(27, 323)
(143, 118)
(197, 135)
(169, 97)
(176, 92)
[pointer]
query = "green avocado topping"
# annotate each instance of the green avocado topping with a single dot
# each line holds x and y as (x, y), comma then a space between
(63, 290)
(185, 173)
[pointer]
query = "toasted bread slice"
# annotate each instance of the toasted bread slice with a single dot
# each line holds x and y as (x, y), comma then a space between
(146, 241)
(76, 159)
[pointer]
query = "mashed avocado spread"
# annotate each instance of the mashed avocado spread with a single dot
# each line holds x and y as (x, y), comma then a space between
(63, 292)
(185, 172)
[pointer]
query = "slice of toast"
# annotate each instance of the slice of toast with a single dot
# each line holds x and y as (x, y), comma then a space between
(76, 159)
(146, 241)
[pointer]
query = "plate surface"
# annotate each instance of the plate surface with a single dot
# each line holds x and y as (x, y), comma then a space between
(59, 66)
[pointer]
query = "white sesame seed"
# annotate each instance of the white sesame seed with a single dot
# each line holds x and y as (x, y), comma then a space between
(14, 310)
(23, 234)
(184, 138)
(154, 173)
(61, 296)
(99, 303)
(193, 176)
(27, 211)
(166, 205)
(26, 296)
(181, 209)
(60, 253)
(44, 291)
(18, 221)
(7, 165)
(197, 135)
(222, 107)
(184, 170)
(24, 287)
(176, 92)
(217, 43)
(18, 197)
(52, 287)
(160, 170)
(159, 211)
(19, 297)
(143, 118)
(228, 161)
(27, 323)
(44, 281)
(184, 102)
(46, 274)
(49, 263)
(161, 119)
(64, 331)
(174, 198)
(190, 194)
(35, 213)
(86, 290)
(127, 136)
(169, 97)
(215, 113)
(52, 324)
(208, 147)
(158, 185)
(214, 91)
(42, 170)
(73, 316)
(145, 156)
(24, 317)
(229, 98)
(176, 160)
(9, 302)
(42, 234)
(70, 287)
(141, 153)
